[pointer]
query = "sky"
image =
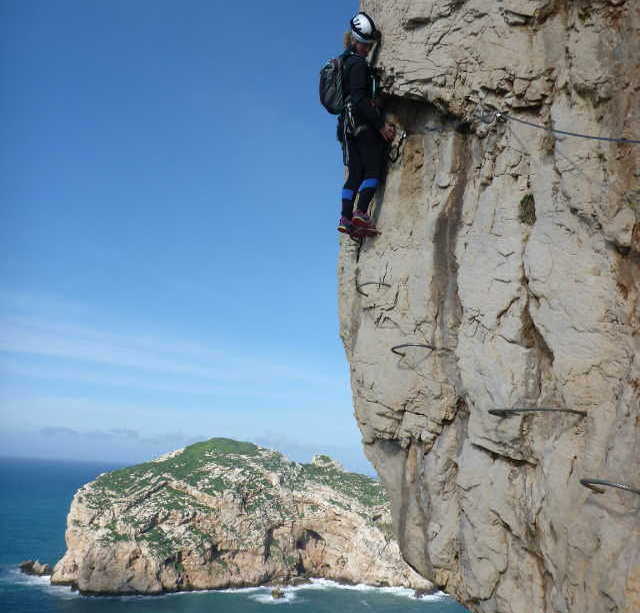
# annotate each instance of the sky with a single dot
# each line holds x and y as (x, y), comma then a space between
(169, 193)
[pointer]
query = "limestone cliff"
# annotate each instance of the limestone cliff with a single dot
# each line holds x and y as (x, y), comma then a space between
(222, 514)
(511, 254)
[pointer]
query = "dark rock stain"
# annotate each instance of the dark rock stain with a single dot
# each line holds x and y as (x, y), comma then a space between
(445, 265)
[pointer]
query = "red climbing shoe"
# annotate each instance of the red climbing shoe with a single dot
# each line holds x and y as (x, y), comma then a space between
(359, 232)
(362, 219)
(345, 226)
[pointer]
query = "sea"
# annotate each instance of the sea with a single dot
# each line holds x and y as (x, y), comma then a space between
(34, 499)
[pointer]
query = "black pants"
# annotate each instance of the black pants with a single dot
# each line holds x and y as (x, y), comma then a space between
(364, 156)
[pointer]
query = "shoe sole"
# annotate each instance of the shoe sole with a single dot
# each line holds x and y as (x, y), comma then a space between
(363, 223)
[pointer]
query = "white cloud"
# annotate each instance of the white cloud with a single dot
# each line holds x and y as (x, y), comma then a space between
(150, 382)
(32, 336)
(10, 366)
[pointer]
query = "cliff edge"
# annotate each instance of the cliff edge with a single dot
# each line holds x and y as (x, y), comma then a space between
(509, 261)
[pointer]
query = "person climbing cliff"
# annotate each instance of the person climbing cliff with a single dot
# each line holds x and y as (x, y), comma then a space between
(362, 130)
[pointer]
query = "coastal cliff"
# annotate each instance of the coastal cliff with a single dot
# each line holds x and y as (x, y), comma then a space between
(222, 514)
(510, 260)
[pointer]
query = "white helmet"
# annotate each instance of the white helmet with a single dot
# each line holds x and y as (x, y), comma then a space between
(363, 29)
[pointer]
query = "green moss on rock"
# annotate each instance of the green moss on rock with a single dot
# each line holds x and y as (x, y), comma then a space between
(363, 489)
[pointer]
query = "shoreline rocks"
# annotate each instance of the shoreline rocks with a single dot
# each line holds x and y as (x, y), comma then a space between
(274, 588)
(35, 567)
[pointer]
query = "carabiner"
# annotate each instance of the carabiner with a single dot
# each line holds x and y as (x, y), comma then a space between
(394, 152)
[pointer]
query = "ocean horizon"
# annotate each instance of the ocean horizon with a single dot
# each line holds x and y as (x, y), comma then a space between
(36, 494)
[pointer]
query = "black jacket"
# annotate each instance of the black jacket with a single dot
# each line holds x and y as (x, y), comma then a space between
(358, 84)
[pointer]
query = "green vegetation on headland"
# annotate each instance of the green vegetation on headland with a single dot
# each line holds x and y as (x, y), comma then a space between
(365, 490)
(189, 466)
(194, 465)
(186, 484)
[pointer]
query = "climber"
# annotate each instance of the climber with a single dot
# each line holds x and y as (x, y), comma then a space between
(362, 130)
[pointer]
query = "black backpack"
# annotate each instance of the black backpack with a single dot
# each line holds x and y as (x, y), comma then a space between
(331, 93)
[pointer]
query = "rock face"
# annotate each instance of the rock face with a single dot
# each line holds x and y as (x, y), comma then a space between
(35, 567)
(514, 254)
(224, 514)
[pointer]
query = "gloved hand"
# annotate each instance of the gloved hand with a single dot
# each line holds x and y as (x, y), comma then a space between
(388, 132)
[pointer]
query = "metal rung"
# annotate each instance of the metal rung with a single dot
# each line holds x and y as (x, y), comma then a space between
(394, 349)
(512, 412)
(592, 483)
(378, 283)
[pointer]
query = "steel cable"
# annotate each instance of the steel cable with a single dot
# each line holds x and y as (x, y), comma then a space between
(499, 115)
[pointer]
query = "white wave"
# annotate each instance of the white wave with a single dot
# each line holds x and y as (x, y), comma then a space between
(435, 597)
(326, 584)
(403, 592)
(16, 577)
(289, 597)
(62, 591)
(360, 587)
(178, 594)
(259, 594)
(239, 590)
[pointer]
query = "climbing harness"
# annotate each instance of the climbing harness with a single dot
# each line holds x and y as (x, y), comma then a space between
(374, 60)
(378, 283)
(593, 483)
(346, 121)
(396, 150)
(512, 412)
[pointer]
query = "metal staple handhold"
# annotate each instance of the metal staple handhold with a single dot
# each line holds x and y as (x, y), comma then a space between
(378, 283)
(512, 412)
(394, 349)
(592, 483)
(396, 150)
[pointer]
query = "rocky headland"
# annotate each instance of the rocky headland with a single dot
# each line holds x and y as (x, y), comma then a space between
(507, 275)
(222, 514)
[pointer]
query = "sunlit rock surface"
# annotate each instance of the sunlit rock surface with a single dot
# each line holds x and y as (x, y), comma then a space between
(515, 253)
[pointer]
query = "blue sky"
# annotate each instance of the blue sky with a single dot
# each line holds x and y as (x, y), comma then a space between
(170, 190)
